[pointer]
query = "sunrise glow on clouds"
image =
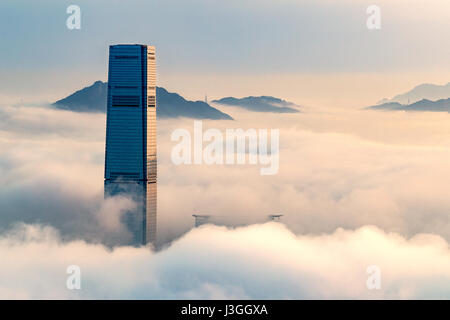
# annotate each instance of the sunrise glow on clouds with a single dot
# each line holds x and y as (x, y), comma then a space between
(356, 188)
(393, 211)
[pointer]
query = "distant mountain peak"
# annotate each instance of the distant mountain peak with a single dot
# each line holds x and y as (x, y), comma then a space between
(442, 105)
(170, 105)
(428, 91)
(260, 104)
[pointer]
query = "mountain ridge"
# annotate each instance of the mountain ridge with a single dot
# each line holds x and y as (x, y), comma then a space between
(170, 104)
(442, 105)
(260, 104)
(422, 91)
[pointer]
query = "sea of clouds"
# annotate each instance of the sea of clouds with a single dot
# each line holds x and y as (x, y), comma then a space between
(356, 188)
(264, 261)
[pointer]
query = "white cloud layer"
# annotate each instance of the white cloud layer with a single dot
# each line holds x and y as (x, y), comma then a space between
(259, 262)
(338, 168)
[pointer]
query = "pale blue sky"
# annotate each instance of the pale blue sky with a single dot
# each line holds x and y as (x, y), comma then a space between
(196, 38)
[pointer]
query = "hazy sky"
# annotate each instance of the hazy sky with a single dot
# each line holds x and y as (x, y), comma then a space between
(307, 51)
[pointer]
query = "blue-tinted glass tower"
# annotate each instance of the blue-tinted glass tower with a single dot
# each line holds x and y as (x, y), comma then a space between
(130, 157)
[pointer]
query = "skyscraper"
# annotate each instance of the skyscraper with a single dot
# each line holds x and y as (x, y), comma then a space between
(130, 154)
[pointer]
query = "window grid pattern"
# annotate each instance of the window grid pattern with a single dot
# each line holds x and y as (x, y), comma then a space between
(130, 158)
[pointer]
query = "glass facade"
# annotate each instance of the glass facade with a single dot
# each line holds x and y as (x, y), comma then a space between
(130, 154)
